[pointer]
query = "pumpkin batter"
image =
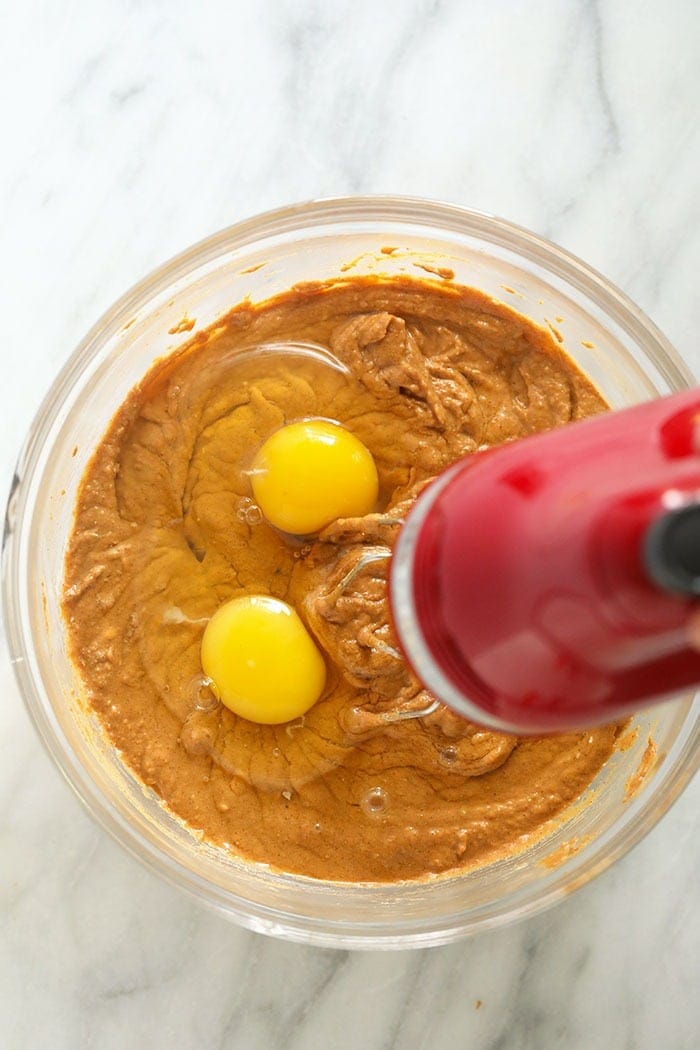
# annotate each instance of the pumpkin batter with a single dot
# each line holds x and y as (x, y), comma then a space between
(166, 531)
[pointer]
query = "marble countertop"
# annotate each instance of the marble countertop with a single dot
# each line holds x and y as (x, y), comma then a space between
(132, 130)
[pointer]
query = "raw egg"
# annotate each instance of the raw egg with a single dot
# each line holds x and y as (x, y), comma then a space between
(263, 662)
(309, 473)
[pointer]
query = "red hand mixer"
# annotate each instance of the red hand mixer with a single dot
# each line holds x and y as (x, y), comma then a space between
(547, 584)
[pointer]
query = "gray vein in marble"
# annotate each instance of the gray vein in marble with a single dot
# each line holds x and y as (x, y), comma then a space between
(281, 1025)
(612, 132)
(584, 38)
(404, 1020)
(313, 40)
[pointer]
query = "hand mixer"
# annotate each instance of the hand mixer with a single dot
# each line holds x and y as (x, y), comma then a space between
(547, 584)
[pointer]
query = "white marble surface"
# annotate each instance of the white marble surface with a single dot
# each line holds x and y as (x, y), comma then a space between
(131, 130)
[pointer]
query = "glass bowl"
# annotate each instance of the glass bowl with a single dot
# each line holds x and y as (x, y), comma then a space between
(612, 341)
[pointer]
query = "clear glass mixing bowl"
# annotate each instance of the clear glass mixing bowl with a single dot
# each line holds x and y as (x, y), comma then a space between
(613, 342)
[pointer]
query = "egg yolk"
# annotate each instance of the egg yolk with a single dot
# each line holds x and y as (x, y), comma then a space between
(263, 662)
(309, 473)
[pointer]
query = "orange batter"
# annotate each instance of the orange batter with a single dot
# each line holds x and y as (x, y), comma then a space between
(166, 531)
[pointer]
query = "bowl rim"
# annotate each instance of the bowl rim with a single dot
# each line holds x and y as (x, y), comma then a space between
(290, 219)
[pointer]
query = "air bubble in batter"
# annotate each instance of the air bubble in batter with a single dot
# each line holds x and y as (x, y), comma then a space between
(449, 755)
(248, 512)
(374, 802)
(203, 693)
